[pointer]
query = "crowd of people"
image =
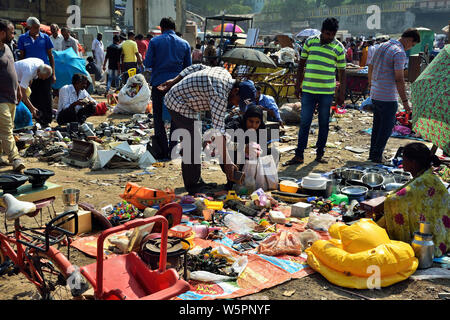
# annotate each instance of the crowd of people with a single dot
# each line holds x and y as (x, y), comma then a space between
(185, 81)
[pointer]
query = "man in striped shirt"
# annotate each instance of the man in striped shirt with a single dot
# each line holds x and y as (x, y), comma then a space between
(386, 78)
(316, 85)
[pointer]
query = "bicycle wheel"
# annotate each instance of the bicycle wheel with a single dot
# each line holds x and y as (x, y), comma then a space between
(54, 285)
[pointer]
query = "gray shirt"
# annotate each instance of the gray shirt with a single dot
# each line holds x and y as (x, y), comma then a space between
(8, 77)
(71, 42)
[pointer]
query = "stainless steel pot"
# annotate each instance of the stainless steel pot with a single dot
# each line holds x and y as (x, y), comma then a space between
(373, 180)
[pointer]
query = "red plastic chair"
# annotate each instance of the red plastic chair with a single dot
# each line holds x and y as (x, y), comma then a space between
(127, 277)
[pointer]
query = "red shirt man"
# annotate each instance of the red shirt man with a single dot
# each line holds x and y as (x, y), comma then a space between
(142, 45)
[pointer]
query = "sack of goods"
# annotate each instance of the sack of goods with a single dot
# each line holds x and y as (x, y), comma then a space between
(134, 97)
(362, 256)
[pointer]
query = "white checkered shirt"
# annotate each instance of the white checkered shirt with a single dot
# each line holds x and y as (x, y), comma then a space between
(202, 89)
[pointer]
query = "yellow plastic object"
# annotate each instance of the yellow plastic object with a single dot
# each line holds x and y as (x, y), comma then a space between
(357, 253)
(232, 196)
(132, 72)
(190, 239)
(215, 205)
(288, 186)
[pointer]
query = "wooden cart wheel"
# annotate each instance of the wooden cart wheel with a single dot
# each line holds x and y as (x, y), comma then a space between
(269, 90)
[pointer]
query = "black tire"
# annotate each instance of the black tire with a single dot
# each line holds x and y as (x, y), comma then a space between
(54, 286)
(268, 89)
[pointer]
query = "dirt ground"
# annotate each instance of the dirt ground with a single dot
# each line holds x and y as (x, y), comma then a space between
(101, 188)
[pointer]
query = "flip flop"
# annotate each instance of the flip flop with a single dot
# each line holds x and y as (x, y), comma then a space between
(292, 162)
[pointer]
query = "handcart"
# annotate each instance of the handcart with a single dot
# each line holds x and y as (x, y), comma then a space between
(127, 277)
(357, 85)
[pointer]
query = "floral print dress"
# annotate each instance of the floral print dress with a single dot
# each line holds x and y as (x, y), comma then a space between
(424, 199)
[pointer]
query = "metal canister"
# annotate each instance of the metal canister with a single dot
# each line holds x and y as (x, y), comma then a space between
(423, 247)
(425, 227)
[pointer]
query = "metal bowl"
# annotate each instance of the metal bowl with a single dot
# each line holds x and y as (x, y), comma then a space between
(355, 191)
(337, 173)
(353, 174)
(373, 180)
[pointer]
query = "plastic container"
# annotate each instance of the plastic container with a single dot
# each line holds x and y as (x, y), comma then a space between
(180, 231)
(339, 198)
(288, 186)
(314, 181)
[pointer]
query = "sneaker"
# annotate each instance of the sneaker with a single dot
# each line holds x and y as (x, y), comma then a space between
(18, 165)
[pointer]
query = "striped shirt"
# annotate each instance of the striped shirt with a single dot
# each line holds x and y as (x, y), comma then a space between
(321, 63)
(390, 56)
(202, 89)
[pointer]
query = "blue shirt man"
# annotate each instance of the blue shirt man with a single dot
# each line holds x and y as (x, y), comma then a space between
(35, 44)
(268, 103)
(35, 48)
(167, 55)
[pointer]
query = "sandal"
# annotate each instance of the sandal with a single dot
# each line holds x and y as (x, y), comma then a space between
(293, 161)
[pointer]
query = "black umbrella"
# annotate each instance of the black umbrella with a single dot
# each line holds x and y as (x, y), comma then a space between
(248, 57)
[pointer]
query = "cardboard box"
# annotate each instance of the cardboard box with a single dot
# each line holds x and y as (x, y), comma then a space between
(84, 223)
(301, 209)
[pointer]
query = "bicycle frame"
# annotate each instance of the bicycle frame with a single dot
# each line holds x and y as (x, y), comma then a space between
(23, 261)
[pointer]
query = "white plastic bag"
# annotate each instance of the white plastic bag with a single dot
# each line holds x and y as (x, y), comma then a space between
(260, 179)
(250, 174)
(205, 276)
(321, 222)
(239, 223)
(270, 172)
(133, 104)
(239, 265)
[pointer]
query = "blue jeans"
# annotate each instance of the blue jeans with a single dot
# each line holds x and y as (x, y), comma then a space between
(113, 76)
(383, 123)
(309, 102)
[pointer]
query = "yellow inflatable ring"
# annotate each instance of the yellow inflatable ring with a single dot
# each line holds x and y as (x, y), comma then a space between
(357, 254)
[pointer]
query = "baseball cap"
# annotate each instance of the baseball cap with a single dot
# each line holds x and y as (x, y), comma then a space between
(247, 93)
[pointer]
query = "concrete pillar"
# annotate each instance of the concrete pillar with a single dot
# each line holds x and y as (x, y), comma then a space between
(42, 11)
(181, 16)
(140, 8)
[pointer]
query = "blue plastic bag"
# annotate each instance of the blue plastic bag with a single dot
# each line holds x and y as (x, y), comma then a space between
(23, 117)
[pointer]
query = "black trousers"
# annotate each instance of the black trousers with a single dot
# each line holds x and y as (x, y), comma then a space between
(191, 167)
(165, 145)
(41, 98)
(70, 115)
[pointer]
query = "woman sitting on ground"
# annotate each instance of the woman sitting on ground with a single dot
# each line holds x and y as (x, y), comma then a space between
(424, 199)
(252, 119)
(75, 104)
